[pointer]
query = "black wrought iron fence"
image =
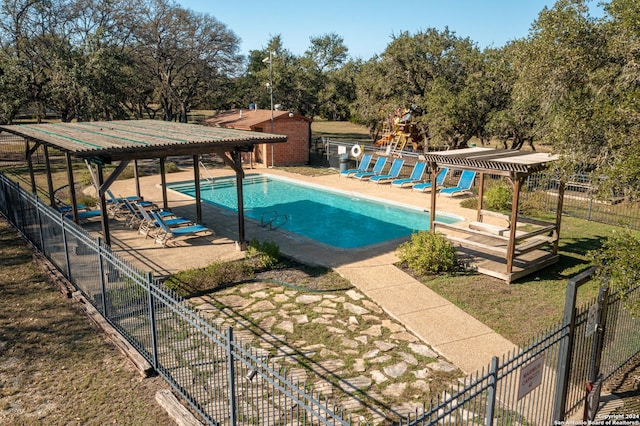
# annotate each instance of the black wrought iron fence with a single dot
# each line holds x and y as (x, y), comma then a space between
(12, 148)
(546, 381)
(228, 381)
(223, 379)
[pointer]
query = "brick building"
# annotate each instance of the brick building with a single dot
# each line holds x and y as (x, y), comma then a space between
(296, 127)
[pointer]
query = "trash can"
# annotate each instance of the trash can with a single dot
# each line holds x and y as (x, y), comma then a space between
(344, 162)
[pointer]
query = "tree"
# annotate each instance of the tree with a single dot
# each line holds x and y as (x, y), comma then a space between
(557, 72)
(327, 52)
(512, 115)
(34, 34)
(294, 85)
(321, 63)
(339, 92)
(618, 263)
(182, 51)
(436, 71)
(71, 54)
(619, 99)
(13, 87)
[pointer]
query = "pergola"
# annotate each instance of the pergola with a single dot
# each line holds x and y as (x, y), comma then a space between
(514, 249)
(100, 143)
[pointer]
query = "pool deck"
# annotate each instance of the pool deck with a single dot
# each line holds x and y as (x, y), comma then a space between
(454, 334)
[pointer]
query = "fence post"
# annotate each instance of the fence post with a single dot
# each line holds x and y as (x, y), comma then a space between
(40, 234)
(491, 398)
(22, 226)
(566, 343)
(594, 382)
(65, 244)
(103, 285)
(596, 352)
(152, 318)
(232, 380)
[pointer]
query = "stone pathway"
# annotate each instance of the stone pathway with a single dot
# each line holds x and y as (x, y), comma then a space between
(352, 347)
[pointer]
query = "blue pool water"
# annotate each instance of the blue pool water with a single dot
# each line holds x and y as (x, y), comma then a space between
(338, 219)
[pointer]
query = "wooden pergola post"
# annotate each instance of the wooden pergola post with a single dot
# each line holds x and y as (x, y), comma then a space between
(103, 208)
(432, 211)
(163, 183)
(72, 187)
(28, 153)
(242, 243)
(47, 167)
(559, 208)
(480, 197)
(196, 180)
(136, 177)
(511, 245)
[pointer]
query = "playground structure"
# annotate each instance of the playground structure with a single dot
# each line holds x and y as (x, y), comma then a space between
(401, 133)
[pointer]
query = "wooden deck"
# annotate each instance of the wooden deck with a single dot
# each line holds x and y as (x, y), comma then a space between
(496, 266)
(483, 248)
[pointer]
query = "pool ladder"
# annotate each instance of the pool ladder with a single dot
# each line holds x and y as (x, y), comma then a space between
(274, 221)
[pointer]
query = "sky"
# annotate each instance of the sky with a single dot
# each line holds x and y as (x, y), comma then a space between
(368, 25)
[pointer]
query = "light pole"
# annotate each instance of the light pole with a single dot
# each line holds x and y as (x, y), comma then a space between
(269, 61)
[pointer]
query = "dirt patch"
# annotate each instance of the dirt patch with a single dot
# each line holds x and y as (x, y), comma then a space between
(55, 368)
(625, 384)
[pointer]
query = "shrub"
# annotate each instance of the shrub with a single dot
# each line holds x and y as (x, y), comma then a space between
(499, 197)
(218, 273)
(469, 203)
(171, 167)
(428, 252)
(267, 253)
(619, 263)
(87, 200)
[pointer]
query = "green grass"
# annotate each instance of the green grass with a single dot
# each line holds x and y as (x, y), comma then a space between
(342, 130)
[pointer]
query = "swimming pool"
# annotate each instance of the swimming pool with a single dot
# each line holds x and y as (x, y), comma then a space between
(338, 219)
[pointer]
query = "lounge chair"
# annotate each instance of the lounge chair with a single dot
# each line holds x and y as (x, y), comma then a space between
(165, 233)
(426, 186)
(83, 214)
(133, 216)
(63, 208)
(377, 170)
(394, 172)
(148, 224)
(464, 184)
(114, 199)
(117, 207)
(365, 162)
(416, 176)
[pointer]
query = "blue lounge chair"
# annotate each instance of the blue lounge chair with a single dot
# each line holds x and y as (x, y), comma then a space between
(148, 224)
(377, 170)
(416, 176)
(84, 214)
(133, 216)
(365, 161)
(117, 207)
(394, 172)
(464, 184)
(114, 199)
(65, 208)
(165, 233)
(426, 186)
